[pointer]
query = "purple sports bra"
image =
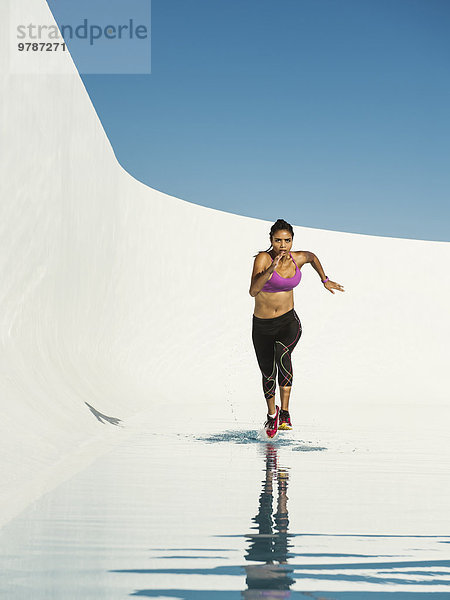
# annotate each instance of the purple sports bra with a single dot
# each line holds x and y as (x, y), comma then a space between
(282, 284)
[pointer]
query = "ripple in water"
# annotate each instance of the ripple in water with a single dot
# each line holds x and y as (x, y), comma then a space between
(253, 436)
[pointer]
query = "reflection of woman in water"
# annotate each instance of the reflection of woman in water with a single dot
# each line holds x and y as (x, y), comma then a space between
(276, 326)
(271, 579)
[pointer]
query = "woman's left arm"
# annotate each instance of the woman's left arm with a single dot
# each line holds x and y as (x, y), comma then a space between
(309, 257)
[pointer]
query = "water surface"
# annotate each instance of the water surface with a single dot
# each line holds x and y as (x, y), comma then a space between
(222, 514)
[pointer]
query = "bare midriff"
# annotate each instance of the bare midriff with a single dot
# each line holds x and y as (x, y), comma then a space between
(270, 305)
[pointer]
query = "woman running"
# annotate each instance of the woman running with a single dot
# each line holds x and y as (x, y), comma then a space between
(276, 326)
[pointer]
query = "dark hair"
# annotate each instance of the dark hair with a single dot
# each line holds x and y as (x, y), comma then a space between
(278, 226)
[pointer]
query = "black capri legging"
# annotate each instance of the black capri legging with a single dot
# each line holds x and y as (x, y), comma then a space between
(274, 341)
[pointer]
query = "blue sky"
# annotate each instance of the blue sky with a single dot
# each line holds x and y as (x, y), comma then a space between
(327, 113)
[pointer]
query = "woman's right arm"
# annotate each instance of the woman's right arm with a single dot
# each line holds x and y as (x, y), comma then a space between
(261, 273)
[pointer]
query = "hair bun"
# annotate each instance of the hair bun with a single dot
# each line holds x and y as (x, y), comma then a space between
(281, 224)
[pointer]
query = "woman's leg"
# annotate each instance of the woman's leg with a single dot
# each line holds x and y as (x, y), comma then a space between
(285, 343)
(285, 393)
(265, 355)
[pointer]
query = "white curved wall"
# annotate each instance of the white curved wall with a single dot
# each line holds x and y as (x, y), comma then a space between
(117, 295)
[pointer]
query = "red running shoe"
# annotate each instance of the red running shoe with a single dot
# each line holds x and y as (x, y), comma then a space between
(285, 420)
(271, 425)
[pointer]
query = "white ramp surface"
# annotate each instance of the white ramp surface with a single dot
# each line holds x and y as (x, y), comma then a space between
(131, 398)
